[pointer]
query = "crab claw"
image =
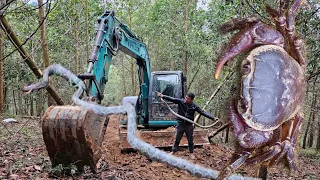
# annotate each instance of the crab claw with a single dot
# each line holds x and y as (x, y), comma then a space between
(256, 35)
(218, 70)
(241, 42)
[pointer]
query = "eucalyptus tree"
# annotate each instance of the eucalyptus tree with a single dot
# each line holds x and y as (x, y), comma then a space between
(15, 70)
(1, 75)
(308, 24)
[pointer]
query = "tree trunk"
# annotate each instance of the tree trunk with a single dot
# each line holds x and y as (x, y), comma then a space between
(20, 110)
(6, 104)
(304, 142)
(14, 103)
(76, 36)
(87, 29)
(76, 33)
(40, 105)
(186, 33)
(194, 76)
(313, 102)
(226, 140)
(31, 106)
(318, 137)
(25, 107)
(311, 136)
(124, 88)
(312, 120)
(44, 45)
(132, 61)
(1, 76)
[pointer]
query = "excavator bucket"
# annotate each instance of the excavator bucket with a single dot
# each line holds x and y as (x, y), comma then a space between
(163, 139)
(73, 135)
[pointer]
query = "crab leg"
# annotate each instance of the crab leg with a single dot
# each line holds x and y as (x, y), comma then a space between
(258, 34)
(294, 137)
(292, 15)
(226, 172)
(238, 128)
(297, 127)
(284, 4)
(300, 52)
(243, 158)
(278, 17)
(296, 43)
(288, 145)
(238, 24)
(238, 125)
(280, 21)
(272, 152)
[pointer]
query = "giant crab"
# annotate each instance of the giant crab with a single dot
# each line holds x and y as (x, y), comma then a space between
(267, 116)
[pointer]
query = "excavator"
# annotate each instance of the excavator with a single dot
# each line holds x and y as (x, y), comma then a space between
(73, 134)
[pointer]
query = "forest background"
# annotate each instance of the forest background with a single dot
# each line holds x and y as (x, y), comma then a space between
(180, 35)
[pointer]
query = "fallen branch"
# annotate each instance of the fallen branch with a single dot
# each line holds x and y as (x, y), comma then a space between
(18, 130)
(6, 127)
(214, 133)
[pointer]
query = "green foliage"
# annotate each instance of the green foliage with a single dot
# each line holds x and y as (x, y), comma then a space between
(112, 94)
(162, 26)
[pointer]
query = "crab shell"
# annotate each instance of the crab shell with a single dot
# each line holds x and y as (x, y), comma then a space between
(273, 88)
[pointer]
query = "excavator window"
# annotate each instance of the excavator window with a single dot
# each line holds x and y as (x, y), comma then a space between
(166, 84)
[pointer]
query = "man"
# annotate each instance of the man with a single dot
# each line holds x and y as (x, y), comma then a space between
(186, 108)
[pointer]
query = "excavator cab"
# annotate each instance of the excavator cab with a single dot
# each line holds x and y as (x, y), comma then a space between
(170, 83)
(158, 129)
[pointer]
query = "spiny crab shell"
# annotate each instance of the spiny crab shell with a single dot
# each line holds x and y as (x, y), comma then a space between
(273, 86)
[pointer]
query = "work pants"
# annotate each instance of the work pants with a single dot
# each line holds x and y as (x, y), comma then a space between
(180, 129)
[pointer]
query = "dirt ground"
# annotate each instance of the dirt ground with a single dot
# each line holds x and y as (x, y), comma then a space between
(23, 156)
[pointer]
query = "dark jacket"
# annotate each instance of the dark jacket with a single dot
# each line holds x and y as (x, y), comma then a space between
(187, 110)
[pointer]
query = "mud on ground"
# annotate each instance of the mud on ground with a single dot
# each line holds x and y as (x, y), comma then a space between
(23, 156)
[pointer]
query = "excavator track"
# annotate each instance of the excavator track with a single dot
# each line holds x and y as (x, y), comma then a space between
(73, 135)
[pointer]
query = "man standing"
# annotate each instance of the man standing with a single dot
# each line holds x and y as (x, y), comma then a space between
(186, 108)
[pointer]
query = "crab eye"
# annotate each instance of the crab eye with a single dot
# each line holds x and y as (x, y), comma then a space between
(242, 106)
(245, 67)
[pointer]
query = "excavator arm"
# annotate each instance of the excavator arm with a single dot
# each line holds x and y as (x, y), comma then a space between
(75, 134)
(113, 36)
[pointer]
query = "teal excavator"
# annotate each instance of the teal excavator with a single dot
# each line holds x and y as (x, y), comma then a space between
(74, 135)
